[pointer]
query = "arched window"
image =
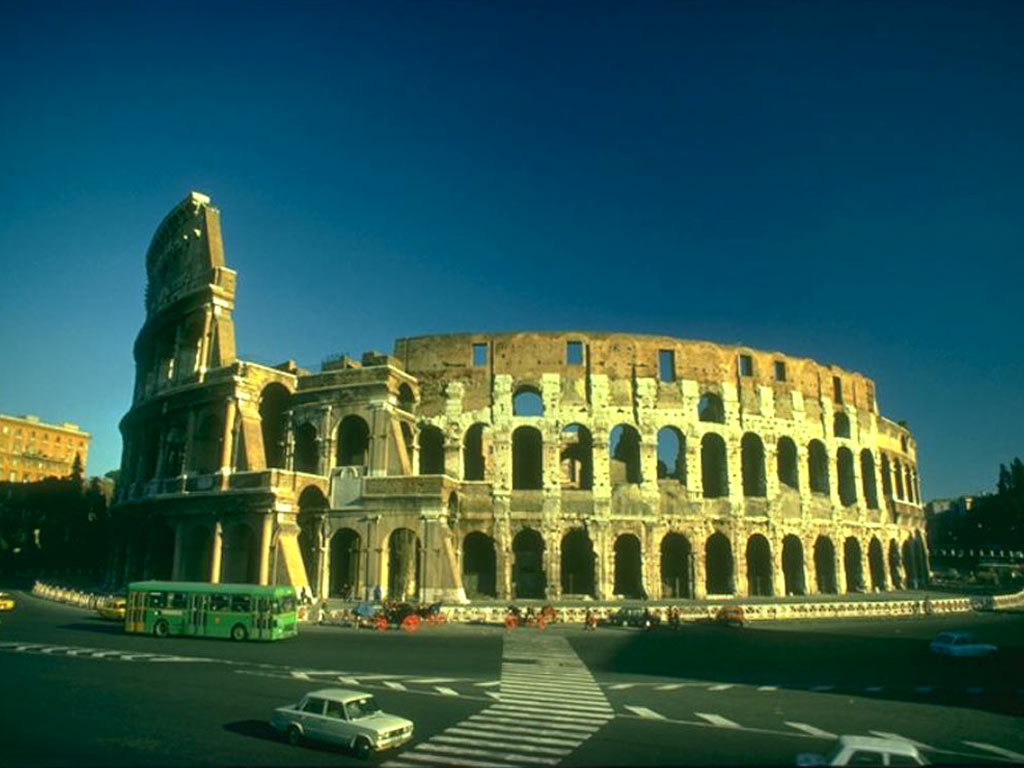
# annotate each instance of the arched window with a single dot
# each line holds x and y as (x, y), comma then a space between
(718, 565)
(625, 455)
(672, 454)
(307, 454)
(876, 562)
(886, 477)
(527, 402)
(844, 473)
(752, 457)
(825, 565)
(473, 462)
(713, 466)
(793, 565)
(431, 450)
(527, 459)
(910, 484)
(710, 408)
(576, 458)
(353, 442)
(274, 423)
(867, 476)
(628, 567)
(406, 398)
(899, 478)
(479, 565)
(206, 445)
(817, 467)
(345, 581)
(403, 564)
(759, 566)
(787, 463)
(851, 561)
(528, 577)
(577, 563)
(841, 425)
(676, 566)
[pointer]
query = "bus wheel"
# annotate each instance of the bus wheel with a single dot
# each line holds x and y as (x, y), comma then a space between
(238, 632)
(362, 747)
(160, 629)
(294, 736)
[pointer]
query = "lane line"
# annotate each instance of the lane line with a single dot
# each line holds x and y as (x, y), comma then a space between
(432, 680)
(394, 686)
(645, 712)
(670, 687)
(822, 688)
(721, 722)
(488, 684)
(811, 730)
(445, 691)
(621, 686)
(1015, 756)
(722, 687)
(768, 688)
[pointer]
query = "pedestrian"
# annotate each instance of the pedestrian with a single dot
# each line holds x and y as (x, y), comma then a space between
(376, 594)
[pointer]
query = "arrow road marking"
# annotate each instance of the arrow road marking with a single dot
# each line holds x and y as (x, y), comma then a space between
(811, 730)
(445, 691)
(887, 735)
(645, 712)
(488, 684)
(395, 686)
(722, 687)
(718, 720)
(1015, 756)
(621, 686)
(768, 688)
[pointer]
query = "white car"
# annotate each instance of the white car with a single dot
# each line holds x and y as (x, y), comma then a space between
(866, 750)
(960, 644)
(352, 719)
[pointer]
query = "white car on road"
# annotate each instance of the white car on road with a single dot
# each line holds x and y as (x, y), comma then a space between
(866, 750)
(351, 719)
(961, 644)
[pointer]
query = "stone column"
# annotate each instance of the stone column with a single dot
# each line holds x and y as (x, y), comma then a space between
(227, 444)
(179, 547)
(203, 361)
(778, 571)
(740, 582)
(218, 545)
(266, 545)
(190, 436)
(698, 544)
(552, 561)
(840, 567)
(603, 587)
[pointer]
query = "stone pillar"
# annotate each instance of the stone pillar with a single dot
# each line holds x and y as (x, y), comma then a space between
(740, 580)
(266, 545)
(603, 574)
(203, 361)
(778, 572)
(228, 441)
(840, 566)
(552, 561)
(179, 550)
(190, 436)
(694, 477)
(322, 588)
(215, 557)
(699, 548)
(650, 561)
(161, 455)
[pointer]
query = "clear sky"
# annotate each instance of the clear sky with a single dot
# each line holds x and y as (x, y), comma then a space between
(836, 180)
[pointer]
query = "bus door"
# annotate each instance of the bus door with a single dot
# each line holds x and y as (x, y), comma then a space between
(196, 624)
(263, 618)
(135, 612)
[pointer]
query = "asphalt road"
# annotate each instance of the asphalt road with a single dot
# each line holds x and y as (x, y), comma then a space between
(77, 691)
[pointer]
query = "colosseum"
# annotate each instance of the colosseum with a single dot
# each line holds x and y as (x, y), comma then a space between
(499, 466)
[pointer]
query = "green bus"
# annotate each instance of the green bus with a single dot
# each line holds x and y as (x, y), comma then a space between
(200, 609)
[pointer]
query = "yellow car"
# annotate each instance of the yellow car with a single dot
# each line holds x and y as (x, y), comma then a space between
(7, 602)
(112, 608)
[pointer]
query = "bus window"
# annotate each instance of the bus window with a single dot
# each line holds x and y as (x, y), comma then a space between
(241, 604)
(219, 602)
(156, 600)
(178, 600)
(264, 605)
(287, 604)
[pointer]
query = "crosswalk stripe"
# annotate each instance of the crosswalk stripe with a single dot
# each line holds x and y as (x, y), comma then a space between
(645, 712)
(888, 735)
(561, 704)
(525, 734)
(429, 746)
(722, 687)
(718, 720)
(810, 729)
(1015, 756)
(564, 717)
(449, 760)
(568, 728)
(394, 686)
(549, 690)
(431, 680)
(445, 691)
(488, 683)
(495, 740)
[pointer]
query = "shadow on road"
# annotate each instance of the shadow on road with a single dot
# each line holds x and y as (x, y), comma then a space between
(261, 729)
(100, 626)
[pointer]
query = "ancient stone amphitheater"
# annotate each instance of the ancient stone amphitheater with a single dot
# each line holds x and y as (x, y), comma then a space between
(497, 466)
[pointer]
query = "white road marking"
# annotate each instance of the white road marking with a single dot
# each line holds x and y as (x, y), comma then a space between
(524, 734)
(568, 729)
(621, 686)
(429, 746)
(488, 684)
(562, 717)
(494, 695)
(394, 686)
(349, 680)
(888, 735)
(721, 687)
(669, 687)
(718, 720)
(431, 680)
(810, 729)
(495, 740)
(768, 688)
(453, 760)
(1015, 756)
(645, 712)
(561, 704)
(445, 691)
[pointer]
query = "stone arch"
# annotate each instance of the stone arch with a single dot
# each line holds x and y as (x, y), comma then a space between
(274, 423)
(718, 564)
(527, 459)
(479, 565)
(406, 398)
(528, 577)
(909, 566)
(624, 455)
(346, 556)
(403, 564)
(576, 457)
(852, 565)
(876, 564)
(759, 566)
(817, 467)
(474, 463)
(198, 550)
(628, 567)
(841, 424)
(714, 471)
(431, 450)
(711, 408)
(174, 452)
(672, 454)
(577, 563)
(238, 558)
(825, 566)
(676, 566)
(206, 444)
(752, 461)
(527, 401)
(353, 442)
(845, 477)
(312, 508)
(149, 453)
(793, 565)
(867, 476)
(307, 452)
(895, 571)
(786, 462)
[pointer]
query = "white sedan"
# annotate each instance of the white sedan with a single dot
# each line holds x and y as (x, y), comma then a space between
(866, 750)
(961, 645)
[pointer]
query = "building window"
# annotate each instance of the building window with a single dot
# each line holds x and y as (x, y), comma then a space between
(746, 365)
(667, 365)
(780, 370)
(479, 355)
(574, 353)
(837, 389)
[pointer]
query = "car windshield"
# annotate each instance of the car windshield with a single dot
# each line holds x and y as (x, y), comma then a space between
(361, 708)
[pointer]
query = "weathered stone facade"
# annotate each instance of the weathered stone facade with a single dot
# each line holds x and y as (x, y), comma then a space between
(501, 465)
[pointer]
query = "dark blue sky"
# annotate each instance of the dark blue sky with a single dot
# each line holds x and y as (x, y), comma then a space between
(836, 180)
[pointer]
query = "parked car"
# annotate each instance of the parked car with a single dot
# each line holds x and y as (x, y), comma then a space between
(633, 617)
(351, 719)
(7, 601)
(866, 750)
(731, 616)
(112, 608)
(960, 644)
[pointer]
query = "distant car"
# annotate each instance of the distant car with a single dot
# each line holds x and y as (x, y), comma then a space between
(112, 608)
(351, 719)
(866, 750)
(731, 616)
(633, 617)
(961, 645)
(7, 601)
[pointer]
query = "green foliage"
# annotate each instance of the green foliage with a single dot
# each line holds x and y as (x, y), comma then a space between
(994, 522)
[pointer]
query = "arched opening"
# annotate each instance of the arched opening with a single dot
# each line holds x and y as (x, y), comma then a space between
(841, 425)
(714, 472)
(346, 554)
(895, 571)
(898, 472)
(527, 459)
(825, 565)
(312, 508)
(672, 454)
(403, 565)
(752, 462)
(676, 566)
(577, 563)
(406, 398)
(817, 467)
(307, 453)
(867, 476)
(353, 442)
(909, 484)
(886, 476)
(876, 562)
(711, 408)
(479, 565)
(909, 566)
(431, 450)
(527, 402)
(407, 442)
(149, 452)
(628, 568)
(920, 559)
(473, 463)
(198, 549)
(759, 566)
(852, 565)
(174, 452)
(844, 474)
(786, 461)
(793, 565)
(206, 445)
(274, 423)
(624, 447)
(528, 579)
(161, 551)
(718, 565)
(576, 457)
(238, 559)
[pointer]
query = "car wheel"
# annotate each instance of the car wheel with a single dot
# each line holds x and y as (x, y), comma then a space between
(362, 747)
(160, 629)
(238, 632)
(294, 735)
